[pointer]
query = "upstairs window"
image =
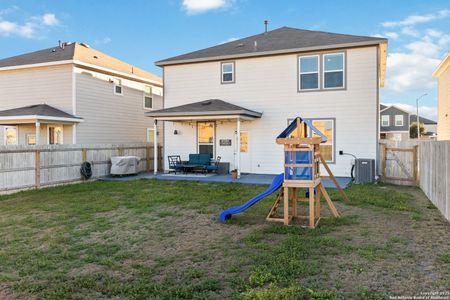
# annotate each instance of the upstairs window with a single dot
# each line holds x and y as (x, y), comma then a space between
(118, 90)
(385, 120)
(309, 72)
(398, 120)
(227, 72)
(333, 71)
(148, 97)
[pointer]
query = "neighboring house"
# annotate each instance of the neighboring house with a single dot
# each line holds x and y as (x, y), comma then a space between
(394, 123)
(430, 126)
(72, 93)
(442, 73)
(233, 99)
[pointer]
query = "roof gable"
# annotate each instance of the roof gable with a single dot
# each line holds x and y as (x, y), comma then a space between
(393, 107)
(283, 39)
(293, 126)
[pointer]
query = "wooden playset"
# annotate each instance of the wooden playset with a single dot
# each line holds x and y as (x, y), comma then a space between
(302, 160)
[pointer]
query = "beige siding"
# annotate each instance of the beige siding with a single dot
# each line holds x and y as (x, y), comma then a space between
(443, 127)
(110, 118)
(269, 85)
(50, 85)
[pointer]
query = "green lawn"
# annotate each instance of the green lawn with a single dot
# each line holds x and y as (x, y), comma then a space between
(157, 239)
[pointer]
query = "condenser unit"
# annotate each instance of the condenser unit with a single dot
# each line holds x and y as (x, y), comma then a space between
(364, 170)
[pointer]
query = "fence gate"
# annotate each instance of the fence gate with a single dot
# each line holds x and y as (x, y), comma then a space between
(399, 165)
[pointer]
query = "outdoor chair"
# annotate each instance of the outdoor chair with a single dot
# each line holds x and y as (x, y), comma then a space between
(215, 166)
(175, 163)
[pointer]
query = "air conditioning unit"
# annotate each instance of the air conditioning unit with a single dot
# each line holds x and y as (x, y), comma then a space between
(364, 170)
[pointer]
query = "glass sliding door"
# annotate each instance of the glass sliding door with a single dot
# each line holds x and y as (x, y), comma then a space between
(205, 137)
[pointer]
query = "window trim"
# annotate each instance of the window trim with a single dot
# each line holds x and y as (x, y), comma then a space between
(343, 71)
(300, 72)
(144, 95)
(121, 86)
(4, 135)
(214, 137)
(333, 145)
(48, 134)
(388, 120)
(402, 119)
(233, 73)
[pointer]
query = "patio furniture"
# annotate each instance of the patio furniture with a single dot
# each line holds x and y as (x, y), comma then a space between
(214, 167)
(175, 163)
(198, 162)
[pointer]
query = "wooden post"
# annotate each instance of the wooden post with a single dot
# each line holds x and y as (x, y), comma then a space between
(286, 205)
(147, 157)
(383, 162)
(311, 208)
(415, 166)
(294, 202)
(336, 183)
(318, 203)
(155, 147)
(84, 154)
(333, 209)
(120, 151)
(37, 169)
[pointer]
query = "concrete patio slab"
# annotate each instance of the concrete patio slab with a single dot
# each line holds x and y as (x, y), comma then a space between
(261, 179)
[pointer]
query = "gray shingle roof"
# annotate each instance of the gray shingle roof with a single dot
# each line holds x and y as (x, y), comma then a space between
(281, 40)
(204, 108)
(38, 110)
(413, 118)
(42, 56)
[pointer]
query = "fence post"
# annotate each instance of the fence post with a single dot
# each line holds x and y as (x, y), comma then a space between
(37, 169)
(160, 158)
(415, 165)
(383, 165)
(83, 154)
(120, 151)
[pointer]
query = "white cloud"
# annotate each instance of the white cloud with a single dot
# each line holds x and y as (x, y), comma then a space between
(231, 39)
(200, 6)
(29, 29)
(429, 112)
(392, 35)
(410, 32)
(50, 20)
(103, 41)
(416, 19)
(8, 10)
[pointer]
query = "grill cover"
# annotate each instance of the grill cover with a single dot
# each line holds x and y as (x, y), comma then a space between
(124, 165)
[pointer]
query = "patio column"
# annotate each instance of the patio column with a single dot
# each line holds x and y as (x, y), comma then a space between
(155, 147)
(238, 150)
(38, 133)
(74, 133)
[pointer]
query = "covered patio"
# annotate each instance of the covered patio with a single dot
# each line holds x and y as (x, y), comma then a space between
(195, 129)
(38, 124)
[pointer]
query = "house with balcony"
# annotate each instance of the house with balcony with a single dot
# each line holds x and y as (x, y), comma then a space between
(72, 93)
(232, 100)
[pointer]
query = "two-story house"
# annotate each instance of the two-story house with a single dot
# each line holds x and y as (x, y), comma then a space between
(71, 94)
(233, 99)
(394, 123)
(442, 73)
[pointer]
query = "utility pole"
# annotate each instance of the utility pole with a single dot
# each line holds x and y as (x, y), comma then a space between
(417, 115)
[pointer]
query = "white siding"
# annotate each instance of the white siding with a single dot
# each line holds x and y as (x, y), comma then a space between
(50, 85)
(110, 118)
(269, 85)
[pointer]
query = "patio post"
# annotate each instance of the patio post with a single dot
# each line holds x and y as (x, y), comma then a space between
(238, 150)
(38, 133)
(155, 147)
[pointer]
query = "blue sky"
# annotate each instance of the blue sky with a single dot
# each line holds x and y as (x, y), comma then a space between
(142, 32)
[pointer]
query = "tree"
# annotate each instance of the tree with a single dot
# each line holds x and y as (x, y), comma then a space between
(413, 130)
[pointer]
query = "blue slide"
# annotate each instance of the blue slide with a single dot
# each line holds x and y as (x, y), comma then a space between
(276, 184)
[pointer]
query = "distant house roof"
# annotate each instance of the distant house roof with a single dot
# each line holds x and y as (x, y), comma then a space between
(212, 107)
(278, 41)
(382, 106)
(77, 53)
(413, 118)
(39, 111)
(388, 107)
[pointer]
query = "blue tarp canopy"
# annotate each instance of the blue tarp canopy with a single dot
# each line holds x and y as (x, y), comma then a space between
(293, 126)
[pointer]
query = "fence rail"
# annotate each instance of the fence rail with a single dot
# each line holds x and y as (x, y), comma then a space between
(24, 167)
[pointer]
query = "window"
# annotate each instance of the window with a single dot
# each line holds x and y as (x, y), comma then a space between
(118, 86)
(309, 72)
(398, 120)
(31, 139)
(10, 135)
(206, 137)
(150, 135)
(385, 121)
(227, 72)
(333, 70)
(55, 135)
(326, 126)
(244, 141)
(148, 97)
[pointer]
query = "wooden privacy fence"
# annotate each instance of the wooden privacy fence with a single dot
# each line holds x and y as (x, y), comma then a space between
(435, 174)
(24, 167)
(399, 162)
